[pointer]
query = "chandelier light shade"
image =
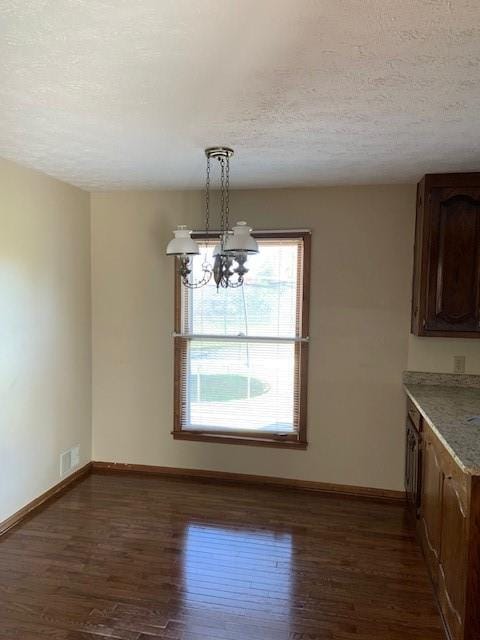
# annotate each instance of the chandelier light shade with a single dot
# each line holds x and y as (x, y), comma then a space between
(240, 240)
(182, 243)
(234, 245)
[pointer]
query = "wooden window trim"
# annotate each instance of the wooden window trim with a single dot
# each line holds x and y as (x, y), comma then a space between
(296, 441)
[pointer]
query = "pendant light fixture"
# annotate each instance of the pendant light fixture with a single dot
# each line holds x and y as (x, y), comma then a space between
(234, 245)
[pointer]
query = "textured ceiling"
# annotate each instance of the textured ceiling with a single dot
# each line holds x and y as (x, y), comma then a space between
(111, 94)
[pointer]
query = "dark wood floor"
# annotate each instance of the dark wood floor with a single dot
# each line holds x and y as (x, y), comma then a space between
(143, 558)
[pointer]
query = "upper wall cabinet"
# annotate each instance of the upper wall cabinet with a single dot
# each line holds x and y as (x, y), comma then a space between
(446, 278)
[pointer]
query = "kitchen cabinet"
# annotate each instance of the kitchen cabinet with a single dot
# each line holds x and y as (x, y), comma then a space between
(449, 531)
(453, 561)
(446, 279)
(431, 505)
(413, 458)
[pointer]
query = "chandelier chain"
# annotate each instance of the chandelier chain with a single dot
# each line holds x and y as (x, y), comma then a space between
(222, 199)
(207, 199)
(227, 194)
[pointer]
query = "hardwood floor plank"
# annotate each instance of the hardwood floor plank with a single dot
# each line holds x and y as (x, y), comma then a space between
(145, 558)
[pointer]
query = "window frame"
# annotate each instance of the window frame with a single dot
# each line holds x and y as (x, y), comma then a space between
(296, 440)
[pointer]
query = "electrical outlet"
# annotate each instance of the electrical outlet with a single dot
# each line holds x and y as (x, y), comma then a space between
(458, 364)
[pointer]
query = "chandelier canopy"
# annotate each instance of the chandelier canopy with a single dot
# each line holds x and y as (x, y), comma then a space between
(230, 254)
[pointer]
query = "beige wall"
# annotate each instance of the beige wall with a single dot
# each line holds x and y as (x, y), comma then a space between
(45, 337)
(361, 268)
(360, 311)
(436, 354)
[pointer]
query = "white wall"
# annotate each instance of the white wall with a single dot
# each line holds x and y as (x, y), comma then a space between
(360, 314)
(45, 336)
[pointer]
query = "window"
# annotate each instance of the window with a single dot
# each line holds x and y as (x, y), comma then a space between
(241, 353)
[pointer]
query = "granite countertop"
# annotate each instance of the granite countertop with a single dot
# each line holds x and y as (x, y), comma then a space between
(447, 402)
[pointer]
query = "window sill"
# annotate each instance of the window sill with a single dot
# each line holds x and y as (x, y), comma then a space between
(224, 439)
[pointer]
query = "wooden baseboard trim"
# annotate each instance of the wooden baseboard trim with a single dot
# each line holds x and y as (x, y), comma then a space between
(241, 478)
(27, 510)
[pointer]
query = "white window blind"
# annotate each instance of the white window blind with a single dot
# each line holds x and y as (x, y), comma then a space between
(239, 351)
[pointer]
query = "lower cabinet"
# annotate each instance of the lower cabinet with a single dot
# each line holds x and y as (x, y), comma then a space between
(449, 530)
(453, 558)
(431, 504)
(413, 466)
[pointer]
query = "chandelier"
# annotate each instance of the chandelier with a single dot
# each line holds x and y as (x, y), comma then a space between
(230, 254)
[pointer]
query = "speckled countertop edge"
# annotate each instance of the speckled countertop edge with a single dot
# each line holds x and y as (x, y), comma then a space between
(442, 379)
(466, 469)
(413, 378)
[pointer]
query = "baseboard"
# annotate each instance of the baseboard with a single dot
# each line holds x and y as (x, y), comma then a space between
(200, 474)
(241, 478)
(20, 515)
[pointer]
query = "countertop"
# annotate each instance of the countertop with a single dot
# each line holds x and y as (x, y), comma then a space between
(448, 408)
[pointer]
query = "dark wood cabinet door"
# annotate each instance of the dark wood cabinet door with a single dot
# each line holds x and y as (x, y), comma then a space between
(431, 507)
(453, 560)
(446, 269)
(412, 467)
(453, 302)
(409, 490)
